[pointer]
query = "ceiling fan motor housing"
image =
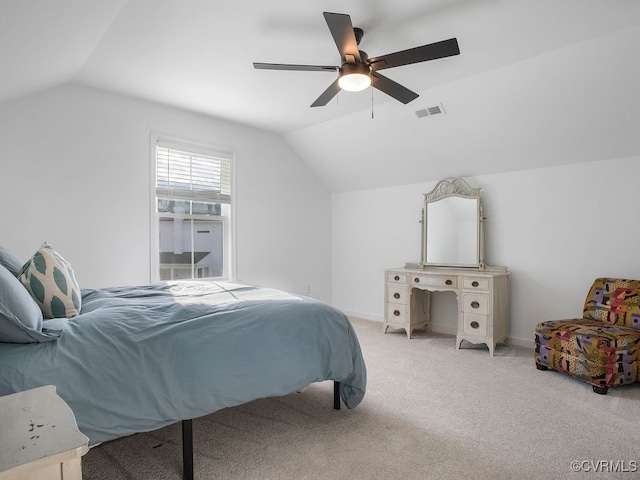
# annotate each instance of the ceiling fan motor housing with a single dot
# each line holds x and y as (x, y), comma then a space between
(351, 68)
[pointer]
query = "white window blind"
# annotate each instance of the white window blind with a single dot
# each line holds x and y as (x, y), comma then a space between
(192, 176)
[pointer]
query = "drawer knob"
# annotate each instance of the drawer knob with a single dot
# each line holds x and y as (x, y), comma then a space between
(448, 282)
(474, 324)
(474, 283)
(475, 304)
(396, 313)
(396, 295)
(396, 278)
(417, 280)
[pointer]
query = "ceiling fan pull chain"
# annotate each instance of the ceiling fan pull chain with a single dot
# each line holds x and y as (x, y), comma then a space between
(371, 102)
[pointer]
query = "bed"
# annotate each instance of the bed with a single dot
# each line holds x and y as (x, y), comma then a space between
(138, 358)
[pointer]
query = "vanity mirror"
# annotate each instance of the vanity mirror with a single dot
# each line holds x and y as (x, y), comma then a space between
(452, 225)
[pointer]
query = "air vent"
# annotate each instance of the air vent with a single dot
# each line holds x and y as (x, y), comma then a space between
(430, 111)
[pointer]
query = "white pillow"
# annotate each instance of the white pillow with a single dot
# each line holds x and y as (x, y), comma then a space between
(50, 280)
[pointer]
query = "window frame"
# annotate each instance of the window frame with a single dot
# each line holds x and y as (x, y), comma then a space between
(228, 223)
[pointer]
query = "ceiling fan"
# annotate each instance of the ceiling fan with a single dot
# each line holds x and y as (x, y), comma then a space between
(358, 71)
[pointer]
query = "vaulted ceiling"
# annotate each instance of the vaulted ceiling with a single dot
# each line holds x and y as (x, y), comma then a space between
(538, 82)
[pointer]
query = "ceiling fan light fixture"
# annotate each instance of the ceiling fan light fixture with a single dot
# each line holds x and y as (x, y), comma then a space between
(354, 77)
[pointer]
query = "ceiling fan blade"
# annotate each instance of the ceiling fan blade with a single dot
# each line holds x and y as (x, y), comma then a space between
(342, 32)
(445, 48)
(305, 68)
(393, 89)
(327, 95)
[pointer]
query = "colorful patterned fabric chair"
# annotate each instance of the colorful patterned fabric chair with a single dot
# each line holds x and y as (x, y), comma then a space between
(603, 347)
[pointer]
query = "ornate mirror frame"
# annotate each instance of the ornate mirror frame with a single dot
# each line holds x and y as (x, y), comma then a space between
(454, 232)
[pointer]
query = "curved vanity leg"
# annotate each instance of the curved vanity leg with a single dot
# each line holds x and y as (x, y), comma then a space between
(384, 328)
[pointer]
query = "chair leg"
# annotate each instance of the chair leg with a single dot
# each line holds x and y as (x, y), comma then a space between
(600, 389)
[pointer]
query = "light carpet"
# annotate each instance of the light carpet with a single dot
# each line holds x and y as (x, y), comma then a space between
(430, 412)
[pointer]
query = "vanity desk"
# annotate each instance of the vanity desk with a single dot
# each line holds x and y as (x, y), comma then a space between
(482, 294)
(452, 261)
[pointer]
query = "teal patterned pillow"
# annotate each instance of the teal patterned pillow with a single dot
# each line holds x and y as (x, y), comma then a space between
(50, 280)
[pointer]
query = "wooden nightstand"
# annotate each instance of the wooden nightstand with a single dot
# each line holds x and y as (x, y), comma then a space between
(39, 438)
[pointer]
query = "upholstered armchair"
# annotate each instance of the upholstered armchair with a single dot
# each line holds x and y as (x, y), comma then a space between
(601, 348)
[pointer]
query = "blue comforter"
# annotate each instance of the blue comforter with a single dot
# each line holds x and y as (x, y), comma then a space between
(139, 358)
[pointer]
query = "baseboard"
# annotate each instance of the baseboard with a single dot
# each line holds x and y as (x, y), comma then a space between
(521, 342)
(445, 329)
(364, 316)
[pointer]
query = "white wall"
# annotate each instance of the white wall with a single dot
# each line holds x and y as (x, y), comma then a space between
(556, 229)
(74, 171)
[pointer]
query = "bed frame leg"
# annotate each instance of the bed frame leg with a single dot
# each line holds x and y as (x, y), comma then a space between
(187, 449)
(187, 437)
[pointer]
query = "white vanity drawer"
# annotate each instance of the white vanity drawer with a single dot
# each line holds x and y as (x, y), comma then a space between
(397, 294)
(443, 281)
(396, 313)
(471, 283)
(475, 324)
(397, 277)
(475, 303)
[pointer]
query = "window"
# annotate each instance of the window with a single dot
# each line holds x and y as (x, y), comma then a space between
(191, 225)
